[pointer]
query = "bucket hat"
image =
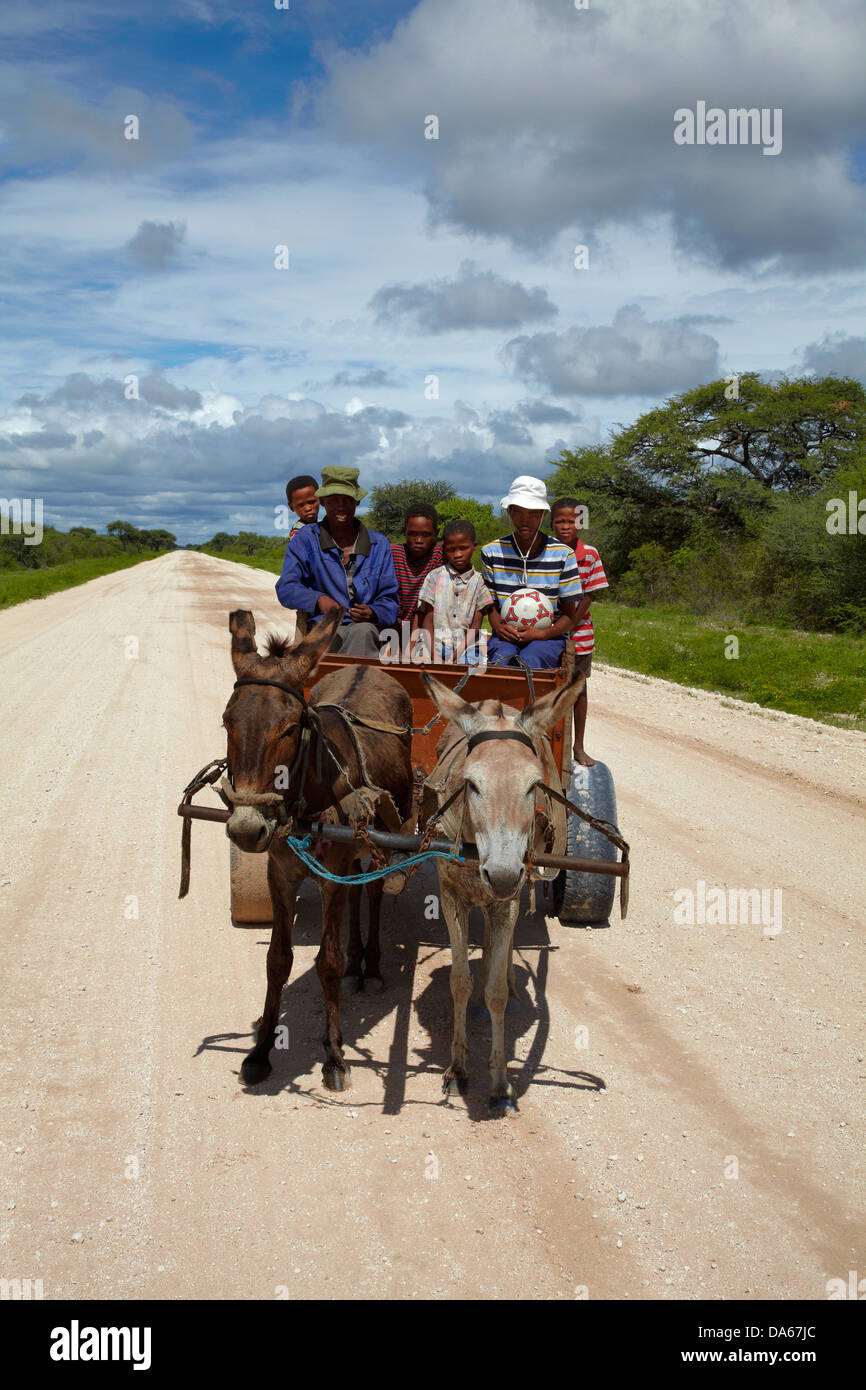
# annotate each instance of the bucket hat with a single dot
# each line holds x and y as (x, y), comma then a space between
(528, 492)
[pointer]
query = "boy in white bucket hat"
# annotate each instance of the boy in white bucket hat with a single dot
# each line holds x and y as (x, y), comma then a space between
(529, 559)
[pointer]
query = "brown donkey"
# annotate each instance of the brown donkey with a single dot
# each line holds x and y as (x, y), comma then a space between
(278, 740)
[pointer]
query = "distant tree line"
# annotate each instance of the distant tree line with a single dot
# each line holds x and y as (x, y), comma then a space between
(244, 543)
(80, 543)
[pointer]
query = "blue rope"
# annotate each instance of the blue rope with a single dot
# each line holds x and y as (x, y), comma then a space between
(299, 847)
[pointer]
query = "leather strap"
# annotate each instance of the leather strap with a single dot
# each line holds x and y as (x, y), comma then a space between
(263, 680)
(514, 734)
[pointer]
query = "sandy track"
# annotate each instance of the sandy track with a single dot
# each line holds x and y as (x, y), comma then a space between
(719, 1048)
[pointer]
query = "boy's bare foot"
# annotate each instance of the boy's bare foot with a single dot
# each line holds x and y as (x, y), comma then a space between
(581, 756)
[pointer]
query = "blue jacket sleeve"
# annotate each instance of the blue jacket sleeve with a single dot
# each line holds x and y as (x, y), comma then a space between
(296, 587)
(387, 598)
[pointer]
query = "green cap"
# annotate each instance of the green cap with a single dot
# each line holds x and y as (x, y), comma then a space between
(338, 478)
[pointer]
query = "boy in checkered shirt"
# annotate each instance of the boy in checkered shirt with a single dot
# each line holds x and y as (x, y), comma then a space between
(454, 598)
(564, 518)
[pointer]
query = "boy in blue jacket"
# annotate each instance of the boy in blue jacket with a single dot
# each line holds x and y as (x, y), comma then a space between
(338, 562)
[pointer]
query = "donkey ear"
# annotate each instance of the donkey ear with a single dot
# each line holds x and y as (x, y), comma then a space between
(302, 660)
(243, 629)
(543, 713)
(464, 715)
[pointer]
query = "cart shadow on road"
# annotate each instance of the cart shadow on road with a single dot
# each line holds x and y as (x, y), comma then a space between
(410, 941)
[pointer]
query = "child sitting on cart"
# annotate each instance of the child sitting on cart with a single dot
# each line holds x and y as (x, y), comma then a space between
(303, 501)
(454, 598)
(416, 557)
(530, 559)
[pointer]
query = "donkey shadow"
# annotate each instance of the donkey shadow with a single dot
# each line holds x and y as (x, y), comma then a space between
(409, 939)
(528, 1014)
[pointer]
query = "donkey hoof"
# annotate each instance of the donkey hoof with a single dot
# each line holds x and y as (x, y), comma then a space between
(335, 1078)
(374, 983)
(254, 1070)
(502, 1105)
(350, 983)
(455, 1085)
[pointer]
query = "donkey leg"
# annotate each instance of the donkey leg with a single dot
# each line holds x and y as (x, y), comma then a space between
(329, 965)
(283, 885)
(456, 914)
(352, 973)
(512, 981)
(502, 919)
(485, 958)
(372, 954)
(513, 1005)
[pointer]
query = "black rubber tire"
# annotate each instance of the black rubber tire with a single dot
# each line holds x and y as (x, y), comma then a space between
(583, 899)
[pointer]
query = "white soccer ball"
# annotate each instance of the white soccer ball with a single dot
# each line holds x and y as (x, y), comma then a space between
(528, 608)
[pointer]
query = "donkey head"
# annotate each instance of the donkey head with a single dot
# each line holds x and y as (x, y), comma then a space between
(502, 776)
(263, 722)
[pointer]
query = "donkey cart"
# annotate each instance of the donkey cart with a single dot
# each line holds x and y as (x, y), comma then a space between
(327, 763)
(583, 887)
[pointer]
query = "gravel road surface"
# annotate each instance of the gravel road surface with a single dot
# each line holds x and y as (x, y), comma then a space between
(691, 1096)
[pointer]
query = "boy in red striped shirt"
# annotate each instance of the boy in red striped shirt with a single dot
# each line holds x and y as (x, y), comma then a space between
(565, 517)
(413, 561)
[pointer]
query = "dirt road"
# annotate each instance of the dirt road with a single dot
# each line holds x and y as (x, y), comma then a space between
(690, 1095)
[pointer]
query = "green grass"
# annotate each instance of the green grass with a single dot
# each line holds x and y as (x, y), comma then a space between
(272, 562)
(819, 675)
(19, 585)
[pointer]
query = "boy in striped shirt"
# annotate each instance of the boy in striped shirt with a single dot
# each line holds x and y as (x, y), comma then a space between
(414, 560)
(529, 559)
(564, 518)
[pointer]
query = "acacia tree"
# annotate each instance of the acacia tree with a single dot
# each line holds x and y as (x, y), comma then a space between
(787, 434)
(125, 532)
(158, 539)
(222, 541)
(709, 463)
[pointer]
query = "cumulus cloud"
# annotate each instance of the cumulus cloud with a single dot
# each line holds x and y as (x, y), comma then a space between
(474, 298)
(631, 357)
(156, 244)
(554, 119)
(99, 455)
(80, 395)
(837, 354)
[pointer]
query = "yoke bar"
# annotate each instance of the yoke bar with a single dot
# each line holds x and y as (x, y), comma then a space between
(386, 839)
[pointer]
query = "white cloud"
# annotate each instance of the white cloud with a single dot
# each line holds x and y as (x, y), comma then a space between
(631, 357)
(99, 455)
(551, 118)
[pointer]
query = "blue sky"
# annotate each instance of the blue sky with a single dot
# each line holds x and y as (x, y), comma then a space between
(409, 258)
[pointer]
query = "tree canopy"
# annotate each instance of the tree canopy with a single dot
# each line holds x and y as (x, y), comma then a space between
(713, 497)
(388, 502)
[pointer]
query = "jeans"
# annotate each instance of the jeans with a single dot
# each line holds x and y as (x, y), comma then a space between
(538, 653)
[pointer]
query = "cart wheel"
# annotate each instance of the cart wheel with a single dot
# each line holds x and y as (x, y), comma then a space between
(250, 899)
(579, 898)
